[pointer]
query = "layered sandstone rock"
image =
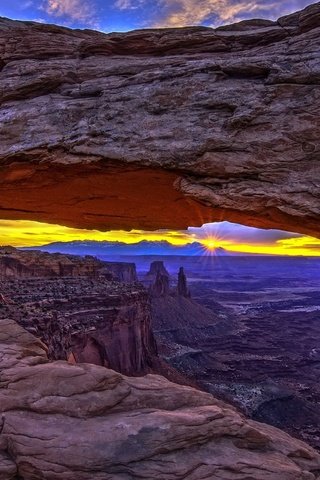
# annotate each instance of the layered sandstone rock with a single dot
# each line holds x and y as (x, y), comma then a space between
(15, 264)
(157, 279)
(115, 331)
(162, 128)
(122, 271)
(150, 129)
(86, 320)
(160, 281)
(157, 267)
(85, 422)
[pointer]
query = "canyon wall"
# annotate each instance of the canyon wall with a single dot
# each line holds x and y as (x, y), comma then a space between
(28, 263)
(83, 309)
(86, 320)
(16, 264)
(115, 331)
(162, 128)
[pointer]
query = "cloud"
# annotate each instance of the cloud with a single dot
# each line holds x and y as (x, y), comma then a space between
(177, 13)
(124, 5)
(27, 4)
(81, 11)
(241, 234)
(129, 4)
(189, 12)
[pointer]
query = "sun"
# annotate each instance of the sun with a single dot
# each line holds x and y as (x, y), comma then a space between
(210, 244)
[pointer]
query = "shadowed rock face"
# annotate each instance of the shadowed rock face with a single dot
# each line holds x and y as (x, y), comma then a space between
(182, 287)
(158, 279)
(162, 128)
(123, 272)
(161, 286)
(157, 267)
(85, 422)
(118, 130)
(87, 320)
(115, 331)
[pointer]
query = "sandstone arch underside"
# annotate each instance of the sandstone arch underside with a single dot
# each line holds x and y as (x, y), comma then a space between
(162, 128)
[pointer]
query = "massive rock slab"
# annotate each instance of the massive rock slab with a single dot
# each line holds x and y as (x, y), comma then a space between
(162, 128)
(85, 422)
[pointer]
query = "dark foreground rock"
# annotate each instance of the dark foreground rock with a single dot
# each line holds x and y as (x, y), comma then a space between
(85, 422)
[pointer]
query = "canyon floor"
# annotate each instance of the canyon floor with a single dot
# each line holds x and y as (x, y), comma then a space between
(260, 348)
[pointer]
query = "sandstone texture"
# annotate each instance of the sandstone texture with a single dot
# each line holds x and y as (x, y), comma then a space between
(86, 320)
(15, 264)
(85, 422)
(24, 264)
(82, 308)
(162, 128)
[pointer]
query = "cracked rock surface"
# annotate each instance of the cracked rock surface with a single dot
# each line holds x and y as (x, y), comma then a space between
(85, 422)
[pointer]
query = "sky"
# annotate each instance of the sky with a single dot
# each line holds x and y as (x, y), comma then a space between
(232, 237)
(124, 15)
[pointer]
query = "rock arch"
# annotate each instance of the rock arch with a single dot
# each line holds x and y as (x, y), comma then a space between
(110, 131)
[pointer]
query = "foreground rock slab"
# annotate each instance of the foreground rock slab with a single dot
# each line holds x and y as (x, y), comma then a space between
(85, 422)
(162, 128)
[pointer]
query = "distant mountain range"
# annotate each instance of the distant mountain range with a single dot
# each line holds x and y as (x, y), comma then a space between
(119, 248)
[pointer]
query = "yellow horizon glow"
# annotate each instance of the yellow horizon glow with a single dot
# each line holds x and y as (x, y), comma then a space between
(24, 233)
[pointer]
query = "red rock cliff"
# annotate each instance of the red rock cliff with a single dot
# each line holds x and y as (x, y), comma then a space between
(87, 320)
